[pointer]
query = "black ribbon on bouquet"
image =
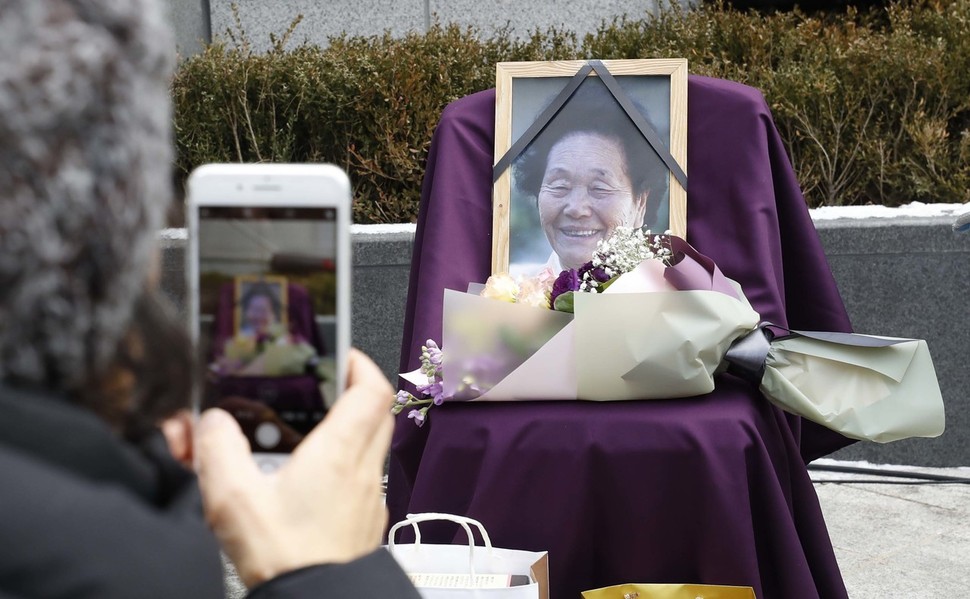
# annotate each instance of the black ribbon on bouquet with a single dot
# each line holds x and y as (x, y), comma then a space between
(648, 132)
(747, 355)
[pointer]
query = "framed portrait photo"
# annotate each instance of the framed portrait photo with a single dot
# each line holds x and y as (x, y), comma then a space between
(583, 147)
(261, 302)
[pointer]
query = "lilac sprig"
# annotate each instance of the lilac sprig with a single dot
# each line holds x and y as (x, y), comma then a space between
(431, 359)
(432, 392)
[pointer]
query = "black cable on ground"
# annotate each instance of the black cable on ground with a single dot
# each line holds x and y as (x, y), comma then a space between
(919, 477)
(850, 481)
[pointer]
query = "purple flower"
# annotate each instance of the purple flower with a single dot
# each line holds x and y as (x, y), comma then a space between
(435, 390)
(403, 397)
(431, 359)
(434, 352)
(598, 274)
(417, 416)
(568, 280)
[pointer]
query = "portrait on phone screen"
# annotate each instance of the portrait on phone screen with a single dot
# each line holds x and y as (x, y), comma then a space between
(267, 281)
(260, 305)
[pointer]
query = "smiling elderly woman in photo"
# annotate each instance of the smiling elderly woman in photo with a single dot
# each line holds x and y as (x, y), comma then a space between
(591, 171)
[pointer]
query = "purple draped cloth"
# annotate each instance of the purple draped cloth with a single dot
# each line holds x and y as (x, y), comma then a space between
(711, 489)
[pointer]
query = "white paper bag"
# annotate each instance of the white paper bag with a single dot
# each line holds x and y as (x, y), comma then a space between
(460, 564)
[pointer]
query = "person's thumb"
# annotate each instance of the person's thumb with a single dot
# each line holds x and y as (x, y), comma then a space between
(224, 463)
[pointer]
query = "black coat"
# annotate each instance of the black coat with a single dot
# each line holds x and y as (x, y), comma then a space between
(83, 514)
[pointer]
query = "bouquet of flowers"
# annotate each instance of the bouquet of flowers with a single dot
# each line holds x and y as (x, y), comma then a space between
(278, 352)
(649, 317)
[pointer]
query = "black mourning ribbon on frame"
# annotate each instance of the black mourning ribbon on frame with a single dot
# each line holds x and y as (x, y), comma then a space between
(648, 132)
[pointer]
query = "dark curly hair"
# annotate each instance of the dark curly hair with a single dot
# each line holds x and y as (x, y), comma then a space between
(592, 109)
(152, 374)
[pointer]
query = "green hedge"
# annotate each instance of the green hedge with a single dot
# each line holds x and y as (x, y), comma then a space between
(874, 107)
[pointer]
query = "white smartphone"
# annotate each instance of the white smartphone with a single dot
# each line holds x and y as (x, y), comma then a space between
(268, 268)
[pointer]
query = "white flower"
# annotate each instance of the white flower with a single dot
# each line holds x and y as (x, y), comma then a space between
(501, 287)
(626, 248)
(537, 290)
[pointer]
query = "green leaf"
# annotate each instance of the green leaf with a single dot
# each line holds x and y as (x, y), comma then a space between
(604, 286)
(564, 303)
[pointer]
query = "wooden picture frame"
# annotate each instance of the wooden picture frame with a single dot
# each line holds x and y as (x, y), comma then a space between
(541, 104)
(275, 286)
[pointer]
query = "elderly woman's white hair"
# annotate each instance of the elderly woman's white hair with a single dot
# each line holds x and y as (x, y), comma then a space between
(85, 154)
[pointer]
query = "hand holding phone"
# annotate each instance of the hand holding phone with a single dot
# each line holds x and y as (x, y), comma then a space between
(324, 505)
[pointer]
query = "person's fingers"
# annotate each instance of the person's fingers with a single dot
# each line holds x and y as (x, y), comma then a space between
(177, 430)
(385, 519)
(365, 371)
(375, 525)
(224, 461)
(348, 429)
(375, 453)
(361, 370)
(360, 414)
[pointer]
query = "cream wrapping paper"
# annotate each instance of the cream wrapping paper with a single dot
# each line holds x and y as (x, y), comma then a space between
(643, 339)
(877, 393)
(496, 348)
(618, 346)
(654, 345)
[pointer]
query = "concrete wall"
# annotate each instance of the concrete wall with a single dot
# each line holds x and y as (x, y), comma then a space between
(911, 278)
(322, 20)
(905, 278)
(190, 19)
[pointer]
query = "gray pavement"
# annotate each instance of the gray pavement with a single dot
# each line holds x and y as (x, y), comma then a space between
(907, 541)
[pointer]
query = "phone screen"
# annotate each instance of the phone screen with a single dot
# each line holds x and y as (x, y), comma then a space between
(268, 318)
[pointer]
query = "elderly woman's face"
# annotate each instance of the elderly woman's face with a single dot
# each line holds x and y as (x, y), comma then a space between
(259, 314)
(586, 192)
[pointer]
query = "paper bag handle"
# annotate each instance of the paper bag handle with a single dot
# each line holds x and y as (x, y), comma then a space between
(414, 519)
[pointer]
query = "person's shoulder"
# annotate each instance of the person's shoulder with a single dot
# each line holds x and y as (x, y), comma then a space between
(66, 536)
(374, 575)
